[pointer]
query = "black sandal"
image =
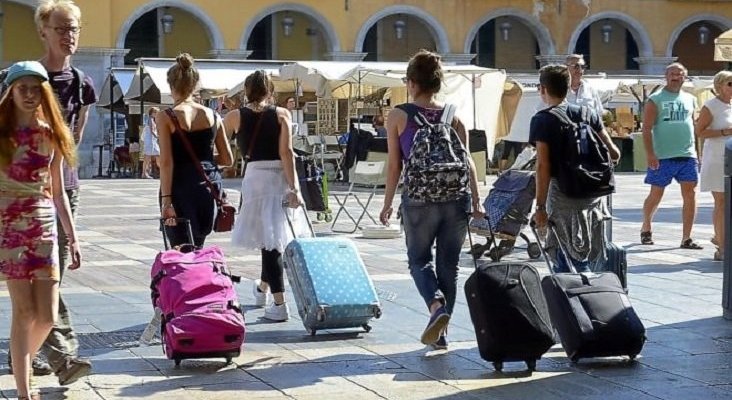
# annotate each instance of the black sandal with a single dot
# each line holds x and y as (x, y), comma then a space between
(690, 244)
(646, 238)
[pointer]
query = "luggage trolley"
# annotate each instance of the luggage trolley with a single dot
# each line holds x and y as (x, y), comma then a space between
(508, 207)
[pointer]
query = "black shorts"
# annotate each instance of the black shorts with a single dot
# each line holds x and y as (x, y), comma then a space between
(511, 147)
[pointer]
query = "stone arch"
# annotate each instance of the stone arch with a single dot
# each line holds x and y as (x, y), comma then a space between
(330, 33)
(721, 22)
(438, 32)
(540, 31)
(640, 35)
(215, 36)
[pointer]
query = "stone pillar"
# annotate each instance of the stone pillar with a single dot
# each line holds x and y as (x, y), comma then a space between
(654, 65)
(346, 56)
(458, 58)
(96, 63)
(546, 59)
(228, 54)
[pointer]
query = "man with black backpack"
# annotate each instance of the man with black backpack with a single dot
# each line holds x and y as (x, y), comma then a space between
(574, 171)
(59, 25)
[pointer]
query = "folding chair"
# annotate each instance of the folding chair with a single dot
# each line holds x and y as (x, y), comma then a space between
(369, 175)
(326, 148)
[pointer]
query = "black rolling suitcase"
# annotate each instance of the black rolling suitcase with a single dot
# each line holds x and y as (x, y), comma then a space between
(591, 312)
(509, 313)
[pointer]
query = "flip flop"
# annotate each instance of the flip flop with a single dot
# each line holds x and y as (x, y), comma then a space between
(646, 237)
(690, 244)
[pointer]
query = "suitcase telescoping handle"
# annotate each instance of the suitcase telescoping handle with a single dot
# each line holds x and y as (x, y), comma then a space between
(289, 220)
(184, 221)
(551, 228)
(470, 241)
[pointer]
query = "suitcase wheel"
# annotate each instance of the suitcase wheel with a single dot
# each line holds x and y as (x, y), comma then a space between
(495, 254)
(498, 366)
(534, 250)
(177, 362)
(574, 360)
(531, 365)
(312, 332)
(228, 360)
(632, 357)
(366, 327)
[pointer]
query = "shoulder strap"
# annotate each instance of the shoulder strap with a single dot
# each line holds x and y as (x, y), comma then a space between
(214, 191)
(561, 114)
(448, 113)
(79, 78)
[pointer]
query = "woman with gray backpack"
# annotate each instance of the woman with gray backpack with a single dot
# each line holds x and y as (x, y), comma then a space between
(440, 184)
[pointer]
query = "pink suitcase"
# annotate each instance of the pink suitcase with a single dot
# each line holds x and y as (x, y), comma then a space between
(201, 316)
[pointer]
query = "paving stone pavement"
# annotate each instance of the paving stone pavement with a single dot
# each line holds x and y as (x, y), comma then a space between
(676, 292)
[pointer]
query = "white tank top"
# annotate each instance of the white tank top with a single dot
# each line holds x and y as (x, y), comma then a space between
(721, 119)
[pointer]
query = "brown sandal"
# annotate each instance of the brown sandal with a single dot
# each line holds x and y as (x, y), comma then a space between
(690, 244)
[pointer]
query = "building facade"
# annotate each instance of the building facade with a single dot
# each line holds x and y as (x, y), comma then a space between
(616, 36)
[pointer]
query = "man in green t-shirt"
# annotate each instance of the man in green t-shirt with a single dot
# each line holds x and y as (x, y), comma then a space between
(668, 135)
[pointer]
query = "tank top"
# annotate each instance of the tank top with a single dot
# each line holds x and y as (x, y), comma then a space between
(721, 119)
(201, 141)
(28, 174)
(673, 130)
(267, 145)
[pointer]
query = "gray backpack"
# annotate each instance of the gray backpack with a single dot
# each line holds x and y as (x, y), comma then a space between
(437, 168)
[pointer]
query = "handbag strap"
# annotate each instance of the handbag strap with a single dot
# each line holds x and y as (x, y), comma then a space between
(214, 191)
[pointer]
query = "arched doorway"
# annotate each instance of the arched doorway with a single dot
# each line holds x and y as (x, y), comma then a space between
(166, 32)
(506, 42)
(289, 35)
(396, 38)
(694, 47)
(608, 45)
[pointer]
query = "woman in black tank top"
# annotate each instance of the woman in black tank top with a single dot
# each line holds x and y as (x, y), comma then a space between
(182, 193)
(264, 139)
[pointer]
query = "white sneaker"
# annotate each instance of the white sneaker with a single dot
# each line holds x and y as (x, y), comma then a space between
(261, 299)
(278, 313)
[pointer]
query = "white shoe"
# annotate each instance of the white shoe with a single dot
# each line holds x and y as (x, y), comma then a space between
(261, 299)
(278, 313)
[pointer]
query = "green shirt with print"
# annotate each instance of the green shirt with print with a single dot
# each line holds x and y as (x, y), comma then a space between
(673, 131)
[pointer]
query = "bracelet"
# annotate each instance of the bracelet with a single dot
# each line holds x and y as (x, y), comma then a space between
(167, 206)
(724, 132)
(292, 190)
(540, 207)
(162, 196)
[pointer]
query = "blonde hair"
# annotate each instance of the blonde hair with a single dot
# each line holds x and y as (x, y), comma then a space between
(47, 7)
(183, 76)
(721, 78)
(50, 113)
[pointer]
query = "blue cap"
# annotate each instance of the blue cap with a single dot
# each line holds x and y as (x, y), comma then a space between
(25, 68)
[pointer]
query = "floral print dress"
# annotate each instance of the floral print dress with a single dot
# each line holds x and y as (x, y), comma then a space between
(28, 235)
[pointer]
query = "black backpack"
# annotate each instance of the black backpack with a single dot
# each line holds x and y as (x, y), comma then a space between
(585, 168)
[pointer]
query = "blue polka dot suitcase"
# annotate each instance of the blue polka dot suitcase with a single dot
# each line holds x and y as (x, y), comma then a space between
(330, 284)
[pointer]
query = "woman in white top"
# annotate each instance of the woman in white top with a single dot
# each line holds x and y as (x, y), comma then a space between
(150, 141)
(713, 125)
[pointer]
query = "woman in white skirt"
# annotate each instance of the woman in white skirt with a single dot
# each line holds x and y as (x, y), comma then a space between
(270, 180)
(714, 125)
(150, 141)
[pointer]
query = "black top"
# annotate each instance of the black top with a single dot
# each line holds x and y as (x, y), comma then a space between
(267, 144)
(202, 143)
(546, 128)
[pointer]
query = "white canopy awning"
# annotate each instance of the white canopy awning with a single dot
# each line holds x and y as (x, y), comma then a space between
(114, 88)
(723, 47)
(217, 77)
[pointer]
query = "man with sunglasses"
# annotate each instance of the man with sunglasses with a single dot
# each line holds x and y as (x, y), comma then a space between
(59, 25)
(581, 93)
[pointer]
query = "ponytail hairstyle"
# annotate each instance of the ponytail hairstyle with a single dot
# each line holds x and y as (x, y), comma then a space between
(50, 113)
(425, 70)
(183, 76)
(258, 87)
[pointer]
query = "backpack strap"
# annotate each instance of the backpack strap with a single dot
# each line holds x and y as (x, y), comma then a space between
(79, 79)
(448, 113)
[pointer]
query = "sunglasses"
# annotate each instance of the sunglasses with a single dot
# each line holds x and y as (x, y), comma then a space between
(64, 30)
(577, 67)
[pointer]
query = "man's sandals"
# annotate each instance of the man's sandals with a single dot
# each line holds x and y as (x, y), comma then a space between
(647, 239)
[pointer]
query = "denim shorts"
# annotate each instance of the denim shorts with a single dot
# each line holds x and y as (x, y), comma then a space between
(683, 169)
